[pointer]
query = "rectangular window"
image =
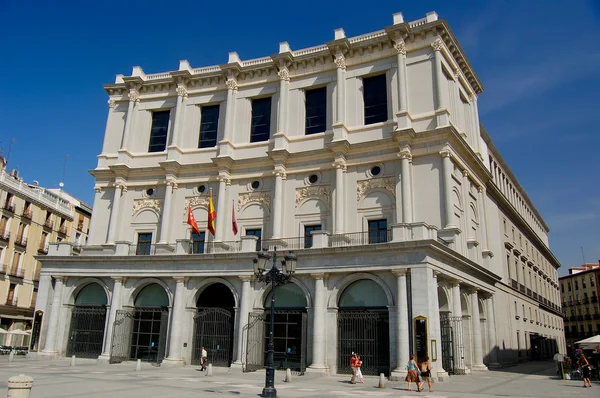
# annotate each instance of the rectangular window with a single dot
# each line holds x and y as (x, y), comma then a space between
(375, 97)
(209, 124)
(10, 299)
(316, 107)
(583, 284)
(260, 129)
(257, 233)
(576, 285)
(592, 281)
(144, 244)
(159, 131)
(308, 241)
(378, 231)
(198, 242)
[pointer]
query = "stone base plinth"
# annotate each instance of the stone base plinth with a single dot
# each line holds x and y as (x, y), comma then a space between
(172, 363)
(398, 375)
(321, 370)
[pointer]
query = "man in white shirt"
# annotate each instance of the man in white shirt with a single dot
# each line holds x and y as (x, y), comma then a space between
(204, 358)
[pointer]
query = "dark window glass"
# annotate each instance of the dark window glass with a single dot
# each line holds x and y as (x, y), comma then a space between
(255, 184)
(202, 188)
(308, 241)
(209, 123)
(313, 178)
(158, 133)
(261, 120)
(316, 107)
(198, 242)
(257, 233)
(375, 96)
(144, 244)
(378, 231)
(376, 170)
(149, 191)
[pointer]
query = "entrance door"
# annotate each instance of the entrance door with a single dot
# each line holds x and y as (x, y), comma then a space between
(213, 331)
(121, 338)
(148, 340)
(254, 354)
(289, 339)
(452, 344)
(88, 318)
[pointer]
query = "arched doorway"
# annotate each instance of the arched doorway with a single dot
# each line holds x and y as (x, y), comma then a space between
(88, 318)
(213, 325)
(363, 327)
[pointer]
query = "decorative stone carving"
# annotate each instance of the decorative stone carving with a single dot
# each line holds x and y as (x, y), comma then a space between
(231, 84)
(196, 201)
(112, 103)
(400, 47)
(264, 198)
(437, 44)
(133, 96)
(154, 204)
(284, 74)
(405, 153)
(322, 192)
(340, 61)
(97, 189)
(387, 183)
(182, 91)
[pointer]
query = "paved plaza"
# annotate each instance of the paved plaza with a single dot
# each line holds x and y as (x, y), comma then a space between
(90, 379)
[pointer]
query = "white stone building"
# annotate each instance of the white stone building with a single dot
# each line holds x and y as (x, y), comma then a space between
(364, 156)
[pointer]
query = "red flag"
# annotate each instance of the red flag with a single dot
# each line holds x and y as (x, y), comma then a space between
(234, 225)
(212, 215)
(192, 221)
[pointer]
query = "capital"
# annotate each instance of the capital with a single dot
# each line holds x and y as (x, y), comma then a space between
(181, 91)
(400, 47)
(97, 189)
(480, 189)
(224, 179)
(465, 173)
(436, 273)
(400, 272)
(246, 278)
(180, 279)
(319, 276)
(59, 278)
(112, 103)
(340, 61)
(284, 74)
(437, 44)
(231, 84)
(445, 153)
(456, 74)
(134, 97)
(280, 173)
(340, 165)
(405, 153)
(172, 184)
(119, 279)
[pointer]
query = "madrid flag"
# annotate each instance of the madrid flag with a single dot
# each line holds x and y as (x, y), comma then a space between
(234, 225)
(192, 221)
(212, 215)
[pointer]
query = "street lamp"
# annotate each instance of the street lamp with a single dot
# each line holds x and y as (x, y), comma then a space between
(276, 278)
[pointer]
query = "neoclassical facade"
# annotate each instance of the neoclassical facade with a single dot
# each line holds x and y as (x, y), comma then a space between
(366, 157)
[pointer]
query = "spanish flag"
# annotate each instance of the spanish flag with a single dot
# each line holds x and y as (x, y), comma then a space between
(212, 215)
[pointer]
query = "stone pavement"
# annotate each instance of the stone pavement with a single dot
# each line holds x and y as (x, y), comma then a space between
(89, 379)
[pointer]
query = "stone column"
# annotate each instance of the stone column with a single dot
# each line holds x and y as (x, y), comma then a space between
(406, 159)
(441, 372)
(319, 325)
(447, 177)
(492, 332)
(50, 344)
(175, 357)
(284, 82)
(182, 95)
(440, 80)
(115, 305)
(402, 83)
(220, 210)
(166, 212)
(278, 203)
(245, 306)
(483, 222)
(340, 169)
(340, 62)
(113, 227)
(403, 343)
(134, 99)
(476, 325)
(459, 353)
(232, 89)
(93, 238)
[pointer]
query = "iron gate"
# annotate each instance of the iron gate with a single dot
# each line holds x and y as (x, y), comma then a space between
(86, 334)
(140, 333)
(255, 349)
(121, 337)
(213, 329)
(452, 344)
(367, 334)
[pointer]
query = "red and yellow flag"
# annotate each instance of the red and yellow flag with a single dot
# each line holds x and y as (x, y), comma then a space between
(192, 221)
(212, 215)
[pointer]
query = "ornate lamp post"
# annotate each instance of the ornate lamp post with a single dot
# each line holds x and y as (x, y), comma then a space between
(276, 278)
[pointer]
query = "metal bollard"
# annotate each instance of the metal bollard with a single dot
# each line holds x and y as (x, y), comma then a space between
(288, 375)
(209, 370)
(19, 386)
(381, 381)
(11, 356)
(73, 360)
(138, 365)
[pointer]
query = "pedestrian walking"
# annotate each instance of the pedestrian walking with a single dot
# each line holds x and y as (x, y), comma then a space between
(204, 359)
(426, 374)
(353, 368)
(359, 375)
(412, 376)
(585, 369)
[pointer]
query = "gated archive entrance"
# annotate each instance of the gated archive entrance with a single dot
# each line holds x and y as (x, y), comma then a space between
(141, 332)
(88, 317)
(289, 337)
(213, 326)
(363, 328)
(452, 344)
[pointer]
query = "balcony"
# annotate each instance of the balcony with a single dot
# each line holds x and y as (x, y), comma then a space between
(21, 241)
(588, 317)
(586, 300)
(17, 273)
(594, 299)
(62, 229)
(5, 236)
(49, 224)
(580, 317)
(4, 269)
(529, 292)
(9, 207)
(80, 227)
(514, 284)
(77, 248)
(572, 318)
(596, 316)
(27, 214)
(522, 288)
(11, 302)
(535, 296)
(43, 249)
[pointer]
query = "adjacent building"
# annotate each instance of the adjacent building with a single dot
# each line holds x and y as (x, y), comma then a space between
(30, 218)
(363, 155)
(580, 290)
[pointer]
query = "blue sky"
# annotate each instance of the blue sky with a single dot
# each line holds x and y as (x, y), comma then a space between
(538, 60)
